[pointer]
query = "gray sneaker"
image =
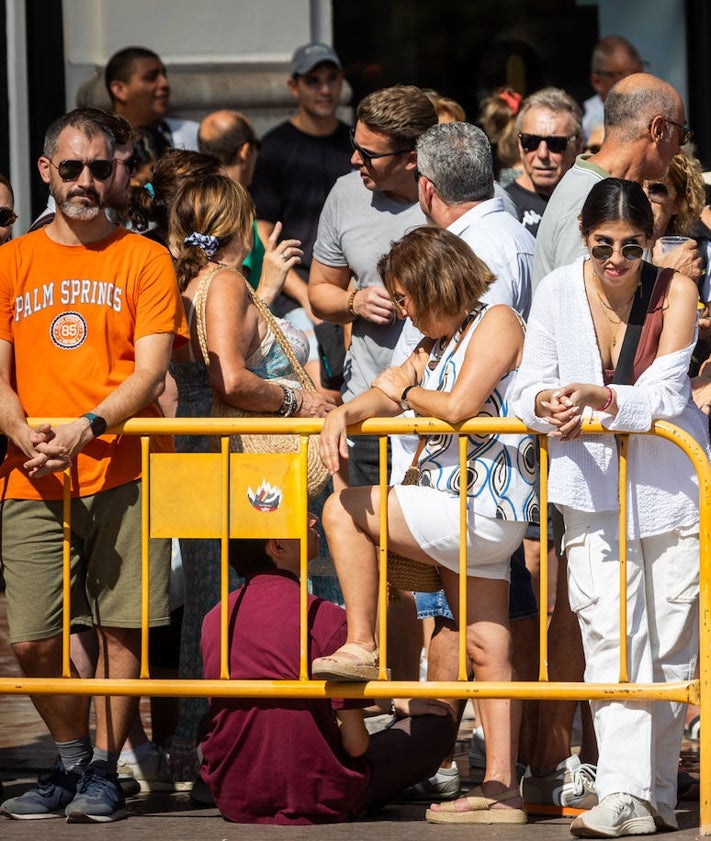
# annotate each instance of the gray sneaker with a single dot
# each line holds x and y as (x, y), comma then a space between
(47, 799)
(572, 785)
(99, 798)
(616, 815)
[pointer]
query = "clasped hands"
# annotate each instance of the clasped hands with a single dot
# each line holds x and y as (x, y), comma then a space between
(563, 407)
(52, 450)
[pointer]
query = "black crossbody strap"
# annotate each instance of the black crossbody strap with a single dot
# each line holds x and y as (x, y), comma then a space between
(640, 305)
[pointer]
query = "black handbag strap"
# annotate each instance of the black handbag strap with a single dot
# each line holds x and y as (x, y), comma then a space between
(640, 305)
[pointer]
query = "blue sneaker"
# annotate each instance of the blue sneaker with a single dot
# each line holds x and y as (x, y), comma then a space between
(55, 788)
(99, 798)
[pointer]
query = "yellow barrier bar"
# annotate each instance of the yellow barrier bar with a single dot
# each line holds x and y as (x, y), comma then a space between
(224, 558)
(145, 555)
(623, 441)
(383, 558)
(679, 691)
(303, 562)
(67, 573)
(462, 639)
(689, 691)
(543, 535)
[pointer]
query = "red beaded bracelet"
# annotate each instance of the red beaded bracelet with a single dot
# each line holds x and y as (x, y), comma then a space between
(608, 402)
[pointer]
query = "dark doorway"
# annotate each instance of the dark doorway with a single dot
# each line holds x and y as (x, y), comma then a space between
(465, 49)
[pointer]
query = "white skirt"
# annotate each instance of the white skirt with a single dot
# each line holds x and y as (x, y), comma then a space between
(432, 516)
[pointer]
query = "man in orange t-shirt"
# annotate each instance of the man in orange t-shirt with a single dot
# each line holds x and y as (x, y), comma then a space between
(88, 317)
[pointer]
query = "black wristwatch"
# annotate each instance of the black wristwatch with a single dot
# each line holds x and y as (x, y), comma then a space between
(96, 423)
(403, 398)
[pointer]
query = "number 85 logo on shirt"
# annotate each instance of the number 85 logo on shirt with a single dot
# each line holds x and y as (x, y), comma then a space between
(68, 330)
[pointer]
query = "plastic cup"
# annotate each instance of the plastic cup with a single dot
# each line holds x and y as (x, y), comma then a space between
(670, 243)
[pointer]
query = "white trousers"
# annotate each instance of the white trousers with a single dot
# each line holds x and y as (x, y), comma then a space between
(638, 741)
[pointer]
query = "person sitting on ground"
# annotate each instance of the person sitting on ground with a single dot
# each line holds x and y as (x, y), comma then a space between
(436, 279)
(300, 760)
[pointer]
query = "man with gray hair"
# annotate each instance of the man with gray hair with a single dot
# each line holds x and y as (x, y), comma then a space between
(644, 128)
(549, 137)
(456, 191)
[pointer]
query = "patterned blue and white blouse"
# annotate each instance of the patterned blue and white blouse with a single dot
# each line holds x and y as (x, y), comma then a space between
(501, 469)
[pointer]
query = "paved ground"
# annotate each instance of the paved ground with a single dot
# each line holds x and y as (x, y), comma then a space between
(25, 748)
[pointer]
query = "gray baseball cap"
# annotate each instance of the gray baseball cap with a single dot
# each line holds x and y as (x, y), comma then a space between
(307, 57)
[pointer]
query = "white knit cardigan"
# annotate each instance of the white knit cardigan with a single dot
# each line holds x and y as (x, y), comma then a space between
(561, 348)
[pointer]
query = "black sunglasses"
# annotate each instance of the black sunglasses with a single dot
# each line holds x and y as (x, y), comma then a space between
(556, 143)
(71, 170)
(629, 251)
(131, 164)
(369, 157)
(7, 217)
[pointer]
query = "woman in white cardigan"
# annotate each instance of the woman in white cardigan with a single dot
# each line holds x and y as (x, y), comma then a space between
(575, 334)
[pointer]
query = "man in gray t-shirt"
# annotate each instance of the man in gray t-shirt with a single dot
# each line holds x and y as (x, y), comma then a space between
(365, 212)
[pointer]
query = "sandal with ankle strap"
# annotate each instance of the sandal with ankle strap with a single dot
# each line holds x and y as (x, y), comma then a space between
(480, 810)
(350, 662)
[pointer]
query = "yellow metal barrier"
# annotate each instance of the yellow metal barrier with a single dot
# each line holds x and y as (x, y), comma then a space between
(227, 485)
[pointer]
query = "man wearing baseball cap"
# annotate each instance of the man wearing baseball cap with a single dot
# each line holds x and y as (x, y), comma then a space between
(298, 164)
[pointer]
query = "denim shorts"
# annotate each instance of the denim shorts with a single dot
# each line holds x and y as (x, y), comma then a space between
(522, 599)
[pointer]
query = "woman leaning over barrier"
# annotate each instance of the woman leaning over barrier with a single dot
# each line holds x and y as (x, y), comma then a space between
(464, 370)
(577, 364)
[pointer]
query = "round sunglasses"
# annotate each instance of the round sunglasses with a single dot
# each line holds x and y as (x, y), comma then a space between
(629, 251)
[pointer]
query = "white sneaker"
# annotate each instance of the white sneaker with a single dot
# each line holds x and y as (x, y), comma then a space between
(617, 814)
(444, 785)
(151, 773)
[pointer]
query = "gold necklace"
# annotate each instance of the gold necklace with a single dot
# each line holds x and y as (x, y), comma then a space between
(606, 306)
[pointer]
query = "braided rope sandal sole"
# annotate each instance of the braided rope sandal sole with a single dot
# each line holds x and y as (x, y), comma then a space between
(351, 663)
(480, 811)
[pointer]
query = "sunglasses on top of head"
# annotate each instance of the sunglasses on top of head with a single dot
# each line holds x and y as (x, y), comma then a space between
(7, 217)
(71, 170)
(556, 143)
(629, 251)
(369, 157)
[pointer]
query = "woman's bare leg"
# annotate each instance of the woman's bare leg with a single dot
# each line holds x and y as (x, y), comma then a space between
(489, 649)
(351, 520)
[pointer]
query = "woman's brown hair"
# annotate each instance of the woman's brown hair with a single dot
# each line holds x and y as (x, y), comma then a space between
(437, 270)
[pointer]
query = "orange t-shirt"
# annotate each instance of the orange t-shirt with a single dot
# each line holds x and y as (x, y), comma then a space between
(73, 315)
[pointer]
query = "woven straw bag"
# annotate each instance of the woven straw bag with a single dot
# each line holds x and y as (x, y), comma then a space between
(317, 474)
(404, 573)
